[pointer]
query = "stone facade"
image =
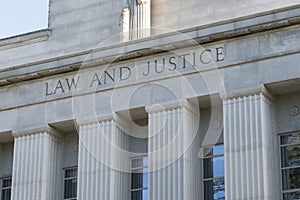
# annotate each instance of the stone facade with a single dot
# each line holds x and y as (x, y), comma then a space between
(205, 73)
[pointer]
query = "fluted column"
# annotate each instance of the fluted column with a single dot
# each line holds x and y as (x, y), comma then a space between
(144, 18)
(173, 161)
(140, 18)
(36, 166)
(103, 165)
(125, 24)
(251, 149)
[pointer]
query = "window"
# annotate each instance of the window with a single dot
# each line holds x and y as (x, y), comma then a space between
(139, 178)
(70, 183)
(5, 188)
(290, 165)
(213, 170)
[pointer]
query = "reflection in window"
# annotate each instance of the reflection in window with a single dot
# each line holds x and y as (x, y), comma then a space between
(70, 183)
(6, 188)
(139, 178)
(290, 165)
(213, 162)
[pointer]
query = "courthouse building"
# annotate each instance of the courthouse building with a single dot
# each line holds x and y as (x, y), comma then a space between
(153, 100)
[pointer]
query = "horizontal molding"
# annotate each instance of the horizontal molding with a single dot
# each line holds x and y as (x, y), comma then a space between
(261, 89)
(47, 129)
(84, 121)
(24, 39)
(171, 105)
(152, 45)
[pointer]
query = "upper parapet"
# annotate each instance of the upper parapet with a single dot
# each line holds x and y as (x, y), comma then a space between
(84, 25)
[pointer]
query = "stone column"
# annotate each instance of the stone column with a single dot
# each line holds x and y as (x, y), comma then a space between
(125, 24)
(36, 166)
(144, 18)
(251, 149)
(102, 164)
(173, 153)
(140, 19)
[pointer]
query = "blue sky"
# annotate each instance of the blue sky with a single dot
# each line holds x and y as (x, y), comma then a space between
(22, 16)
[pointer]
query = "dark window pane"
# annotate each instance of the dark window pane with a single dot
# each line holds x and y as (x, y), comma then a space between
(139, 178)
(6, 194)
(139, 162)
(70, 188)
(6, 183)
(139, 195)
(290, 155)
(136, 180)
(293, 138)
(214, 189)
(291, 179)
(69, 173)
(291, 196)
(213, 167)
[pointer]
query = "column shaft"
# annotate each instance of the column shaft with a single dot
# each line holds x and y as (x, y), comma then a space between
(251, 149)
(173, 157)
(102, 166)
(36, 168)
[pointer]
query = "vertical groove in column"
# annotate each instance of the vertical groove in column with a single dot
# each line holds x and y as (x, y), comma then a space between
(259, 148)
(252, 148)
(247, 160)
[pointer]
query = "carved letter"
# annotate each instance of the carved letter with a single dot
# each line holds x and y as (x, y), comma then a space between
(123, 78)
(163, 67)
(172, 63)
(183, 59)
(59, 86)
(148, 71)
(95, 78)
(47, 90)
(72, 84)
(110, 77)
(194, 59)
(219, 53)
(201, 57)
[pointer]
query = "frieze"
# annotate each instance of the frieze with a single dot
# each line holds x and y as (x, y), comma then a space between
(104, 77)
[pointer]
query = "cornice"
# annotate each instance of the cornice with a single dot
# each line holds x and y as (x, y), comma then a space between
(24, 39)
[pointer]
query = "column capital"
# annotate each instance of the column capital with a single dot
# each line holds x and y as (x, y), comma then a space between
(143, 1)
(95, 119)
(249, 92)
(176, 104)
(125, 9)
(49, 129)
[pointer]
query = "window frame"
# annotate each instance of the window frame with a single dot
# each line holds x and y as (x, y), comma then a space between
(6, 188)
(136, 168)
(69, 178)
(208, 157)
(282, 168)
